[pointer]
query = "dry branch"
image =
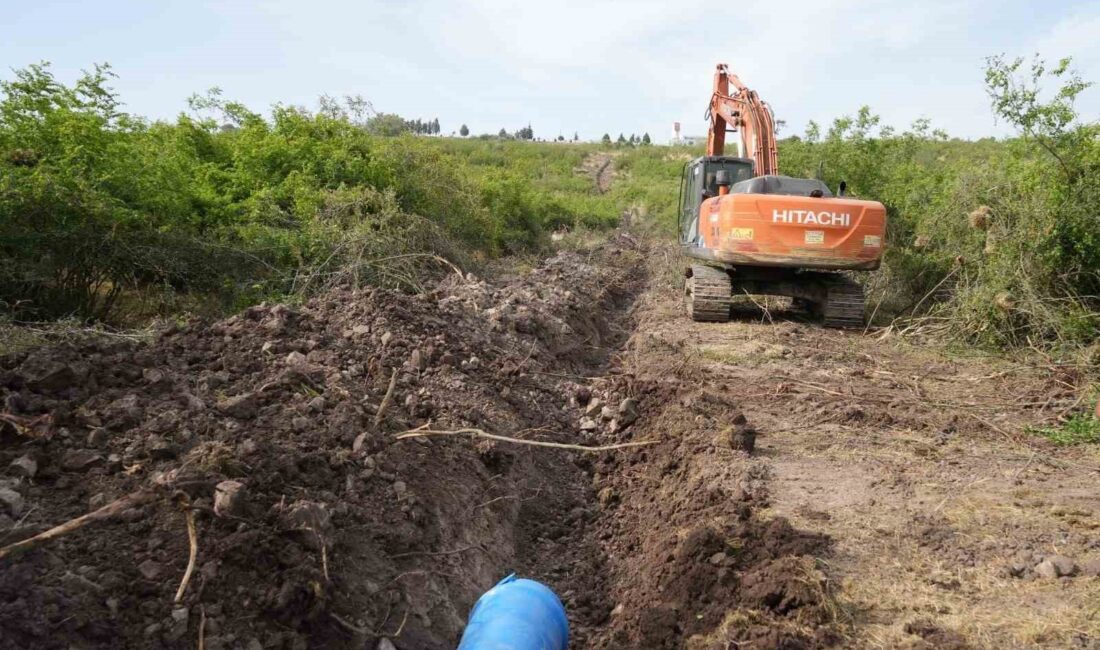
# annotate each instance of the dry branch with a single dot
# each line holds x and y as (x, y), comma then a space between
(417, 433)
(108, 511)
(386, 400)
(193, 544)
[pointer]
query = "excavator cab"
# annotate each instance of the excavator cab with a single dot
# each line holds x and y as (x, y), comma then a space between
(699, 181)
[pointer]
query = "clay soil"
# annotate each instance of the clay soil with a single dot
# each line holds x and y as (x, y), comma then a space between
(892, 498)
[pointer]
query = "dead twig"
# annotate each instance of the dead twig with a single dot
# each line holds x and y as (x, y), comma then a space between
(108, 511)
(193, 544)
(386, 400)
(202, 628)
(416, 433)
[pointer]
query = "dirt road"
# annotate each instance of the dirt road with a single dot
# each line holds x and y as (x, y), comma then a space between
(891, 499)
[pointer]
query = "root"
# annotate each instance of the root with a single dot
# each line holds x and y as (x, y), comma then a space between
(386, 400)
(106, 512)
(193, 542)
(418, 433)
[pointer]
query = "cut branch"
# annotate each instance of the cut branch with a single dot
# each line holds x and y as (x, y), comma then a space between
(108, 511)
(478, 433)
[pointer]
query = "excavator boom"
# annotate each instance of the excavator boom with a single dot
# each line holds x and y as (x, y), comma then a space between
(744, 112)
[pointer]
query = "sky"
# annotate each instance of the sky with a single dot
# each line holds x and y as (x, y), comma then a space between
(567, 66)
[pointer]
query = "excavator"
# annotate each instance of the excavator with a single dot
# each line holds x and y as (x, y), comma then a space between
(747, 230)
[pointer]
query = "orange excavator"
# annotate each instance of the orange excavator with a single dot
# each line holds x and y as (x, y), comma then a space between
(749, 231)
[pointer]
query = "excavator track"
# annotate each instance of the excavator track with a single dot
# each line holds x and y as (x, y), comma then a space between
(843, 304)
(707, 294)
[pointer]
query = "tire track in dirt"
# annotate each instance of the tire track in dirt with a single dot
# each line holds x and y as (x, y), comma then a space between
(948, 523)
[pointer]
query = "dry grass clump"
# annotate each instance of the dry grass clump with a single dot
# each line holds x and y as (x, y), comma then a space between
(979, 218)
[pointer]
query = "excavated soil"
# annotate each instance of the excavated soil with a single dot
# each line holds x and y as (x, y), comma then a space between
(889, 500)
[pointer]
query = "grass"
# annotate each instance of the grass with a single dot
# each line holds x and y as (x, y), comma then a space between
(1081, 429)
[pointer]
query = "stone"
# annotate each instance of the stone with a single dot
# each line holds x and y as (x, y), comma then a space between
(474, 363)
(11, 501)
(180, 614)
(160, 448)
(1091, 568)
(24, 466)
(386, 338)
(741, 437)
(47, 375)
(154, 629)
(416, 360)
(300, 423)
(1063, 565)
(317, 404)
(114, 463)
(150, 569)
(593, 407)
(97, 501)
(80, 460)
(385, 644)
(361, 330)
(607, 496)
(268, 346)
(588, 424)
(400, 489)
(628, 412)
(112, 606)
(295, 359)
(155, 377)
(230, 499)
(607, 413)
(718, 558)
(1046, 569)
(243, 406)
(97, 437)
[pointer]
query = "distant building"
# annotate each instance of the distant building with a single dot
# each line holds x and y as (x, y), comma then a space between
(687, 140)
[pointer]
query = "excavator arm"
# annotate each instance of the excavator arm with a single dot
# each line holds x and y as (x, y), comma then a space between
(744, 112)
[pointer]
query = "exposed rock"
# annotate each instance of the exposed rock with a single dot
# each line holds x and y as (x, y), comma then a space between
(150, 569)
(1063, 565)
(230, 499)
(740, 437)
(160, 448)
(97, 437)
(628, 412)
(80, 460)
(47, 375)
(24, 466)
(11, 501)
(588, 424)
(593, 407)
(1046, 569)
(242, 407)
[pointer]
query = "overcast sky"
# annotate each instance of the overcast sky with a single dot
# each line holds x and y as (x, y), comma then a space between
(563, 65)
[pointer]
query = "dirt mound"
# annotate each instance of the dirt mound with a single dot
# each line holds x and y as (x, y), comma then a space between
(275, 427)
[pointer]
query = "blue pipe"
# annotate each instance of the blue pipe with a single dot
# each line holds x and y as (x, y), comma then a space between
(517, 614)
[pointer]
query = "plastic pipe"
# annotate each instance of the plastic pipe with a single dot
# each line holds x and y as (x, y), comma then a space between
(517, 614)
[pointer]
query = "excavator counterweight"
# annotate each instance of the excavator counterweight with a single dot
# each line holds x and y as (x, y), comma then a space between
(749, 230)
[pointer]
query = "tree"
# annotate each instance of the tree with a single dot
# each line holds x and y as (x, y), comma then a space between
(645, 139)
(435, 126)
(503, 133)
(606, 139)
(576, 136)
(621, 140)
(464, 131)
(388, 124)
